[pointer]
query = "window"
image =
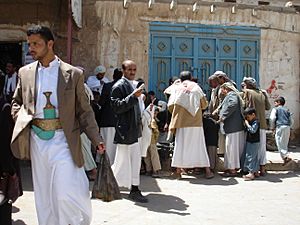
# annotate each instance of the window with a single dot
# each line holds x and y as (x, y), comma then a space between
(263, 3)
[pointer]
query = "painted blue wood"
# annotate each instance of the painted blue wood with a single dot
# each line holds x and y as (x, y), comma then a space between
(201, 49)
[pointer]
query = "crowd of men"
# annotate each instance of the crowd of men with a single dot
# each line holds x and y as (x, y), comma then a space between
(62, 122)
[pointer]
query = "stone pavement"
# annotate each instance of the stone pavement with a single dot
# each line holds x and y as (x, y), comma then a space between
(270, 200)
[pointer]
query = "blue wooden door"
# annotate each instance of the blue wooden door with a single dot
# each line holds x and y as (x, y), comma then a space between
(202, 50)
(161, 65)
(206, 64)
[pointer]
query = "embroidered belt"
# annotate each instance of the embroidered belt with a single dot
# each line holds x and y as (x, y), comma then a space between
(47, 124)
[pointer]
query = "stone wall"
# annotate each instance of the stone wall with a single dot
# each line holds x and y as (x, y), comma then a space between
(18, 15)
(117, 34)
(111, 34)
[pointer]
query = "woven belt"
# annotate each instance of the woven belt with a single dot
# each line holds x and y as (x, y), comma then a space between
(47, 124)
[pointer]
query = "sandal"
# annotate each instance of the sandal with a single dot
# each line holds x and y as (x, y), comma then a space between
(209, 176)
(286, 160)
(229, 174)
(176, 176)
(249, 177)
(256, 174)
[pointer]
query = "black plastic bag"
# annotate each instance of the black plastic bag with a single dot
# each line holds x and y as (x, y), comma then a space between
(105, 186)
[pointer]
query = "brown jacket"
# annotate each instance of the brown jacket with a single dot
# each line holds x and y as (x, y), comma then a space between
(75, 113)
(257, 99)
(182, 118)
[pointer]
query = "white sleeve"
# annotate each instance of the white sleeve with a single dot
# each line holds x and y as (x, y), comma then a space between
(273, 118)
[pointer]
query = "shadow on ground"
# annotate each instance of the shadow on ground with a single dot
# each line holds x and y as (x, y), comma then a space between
(279, 176)
(272, 176)
(15, 209)
(200, 179)
(164, 204)
(18, 222)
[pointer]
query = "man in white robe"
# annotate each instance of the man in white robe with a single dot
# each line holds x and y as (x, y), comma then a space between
(50, 109)
(125, 103)
(96, 81)
(231, 124)
(11, 79)
(186, 103)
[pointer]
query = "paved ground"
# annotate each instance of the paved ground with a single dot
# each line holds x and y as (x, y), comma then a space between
(270, 200)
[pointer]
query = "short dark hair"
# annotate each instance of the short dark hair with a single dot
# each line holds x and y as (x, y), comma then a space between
(151, 93)
(126, 62)
(249, 111)
(45, 32)
(140, 83)
(185, 75)
(280, 100)
(117, 74)
(11, 62)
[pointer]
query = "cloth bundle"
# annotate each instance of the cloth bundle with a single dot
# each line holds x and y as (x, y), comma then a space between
(105, 187)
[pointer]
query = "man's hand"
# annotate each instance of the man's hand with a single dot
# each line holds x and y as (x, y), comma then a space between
(221, 120)
(247, 123)
(101, 148)
(137, 92)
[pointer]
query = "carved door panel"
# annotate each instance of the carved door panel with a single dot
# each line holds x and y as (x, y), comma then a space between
(160, 65)
(249, 58)
(184, 53)
(201, 49)
(207, 55)
(227, 57)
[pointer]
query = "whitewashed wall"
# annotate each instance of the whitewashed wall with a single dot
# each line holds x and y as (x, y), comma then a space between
(124, 33)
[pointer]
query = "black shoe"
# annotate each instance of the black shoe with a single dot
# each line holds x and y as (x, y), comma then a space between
(137, 197)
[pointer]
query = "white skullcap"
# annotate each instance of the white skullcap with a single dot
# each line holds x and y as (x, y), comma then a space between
(219, 72)
(250, 80)
(99, 69)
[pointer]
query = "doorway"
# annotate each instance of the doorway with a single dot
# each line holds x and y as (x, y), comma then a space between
(10, 51)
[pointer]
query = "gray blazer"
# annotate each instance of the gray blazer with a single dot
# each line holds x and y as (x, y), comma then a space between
(231, 113)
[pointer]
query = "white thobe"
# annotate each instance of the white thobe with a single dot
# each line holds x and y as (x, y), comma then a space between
(262, 151)
(234, 146)
(145, 140)
(108, 134)
(127, 165)
(10, 84)
(95, 84)
(190, 149)
(61, 189)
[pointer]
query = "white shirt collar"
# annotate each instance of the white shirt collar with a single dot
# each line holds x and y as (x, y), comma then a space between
(54, 63)
(130, 81)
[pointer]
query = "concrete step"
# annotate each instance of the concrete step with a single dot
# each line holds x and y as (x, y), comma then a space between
(275, 163)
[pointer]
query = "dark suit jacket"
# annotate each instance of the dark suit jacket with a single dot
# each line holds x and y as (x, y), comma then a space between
(126, 107)
(108, 117)
(75, 112)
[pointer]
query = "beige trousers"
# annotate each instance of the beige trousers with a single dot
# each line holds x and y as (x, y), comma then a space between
(152, 159)
(212, 155)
